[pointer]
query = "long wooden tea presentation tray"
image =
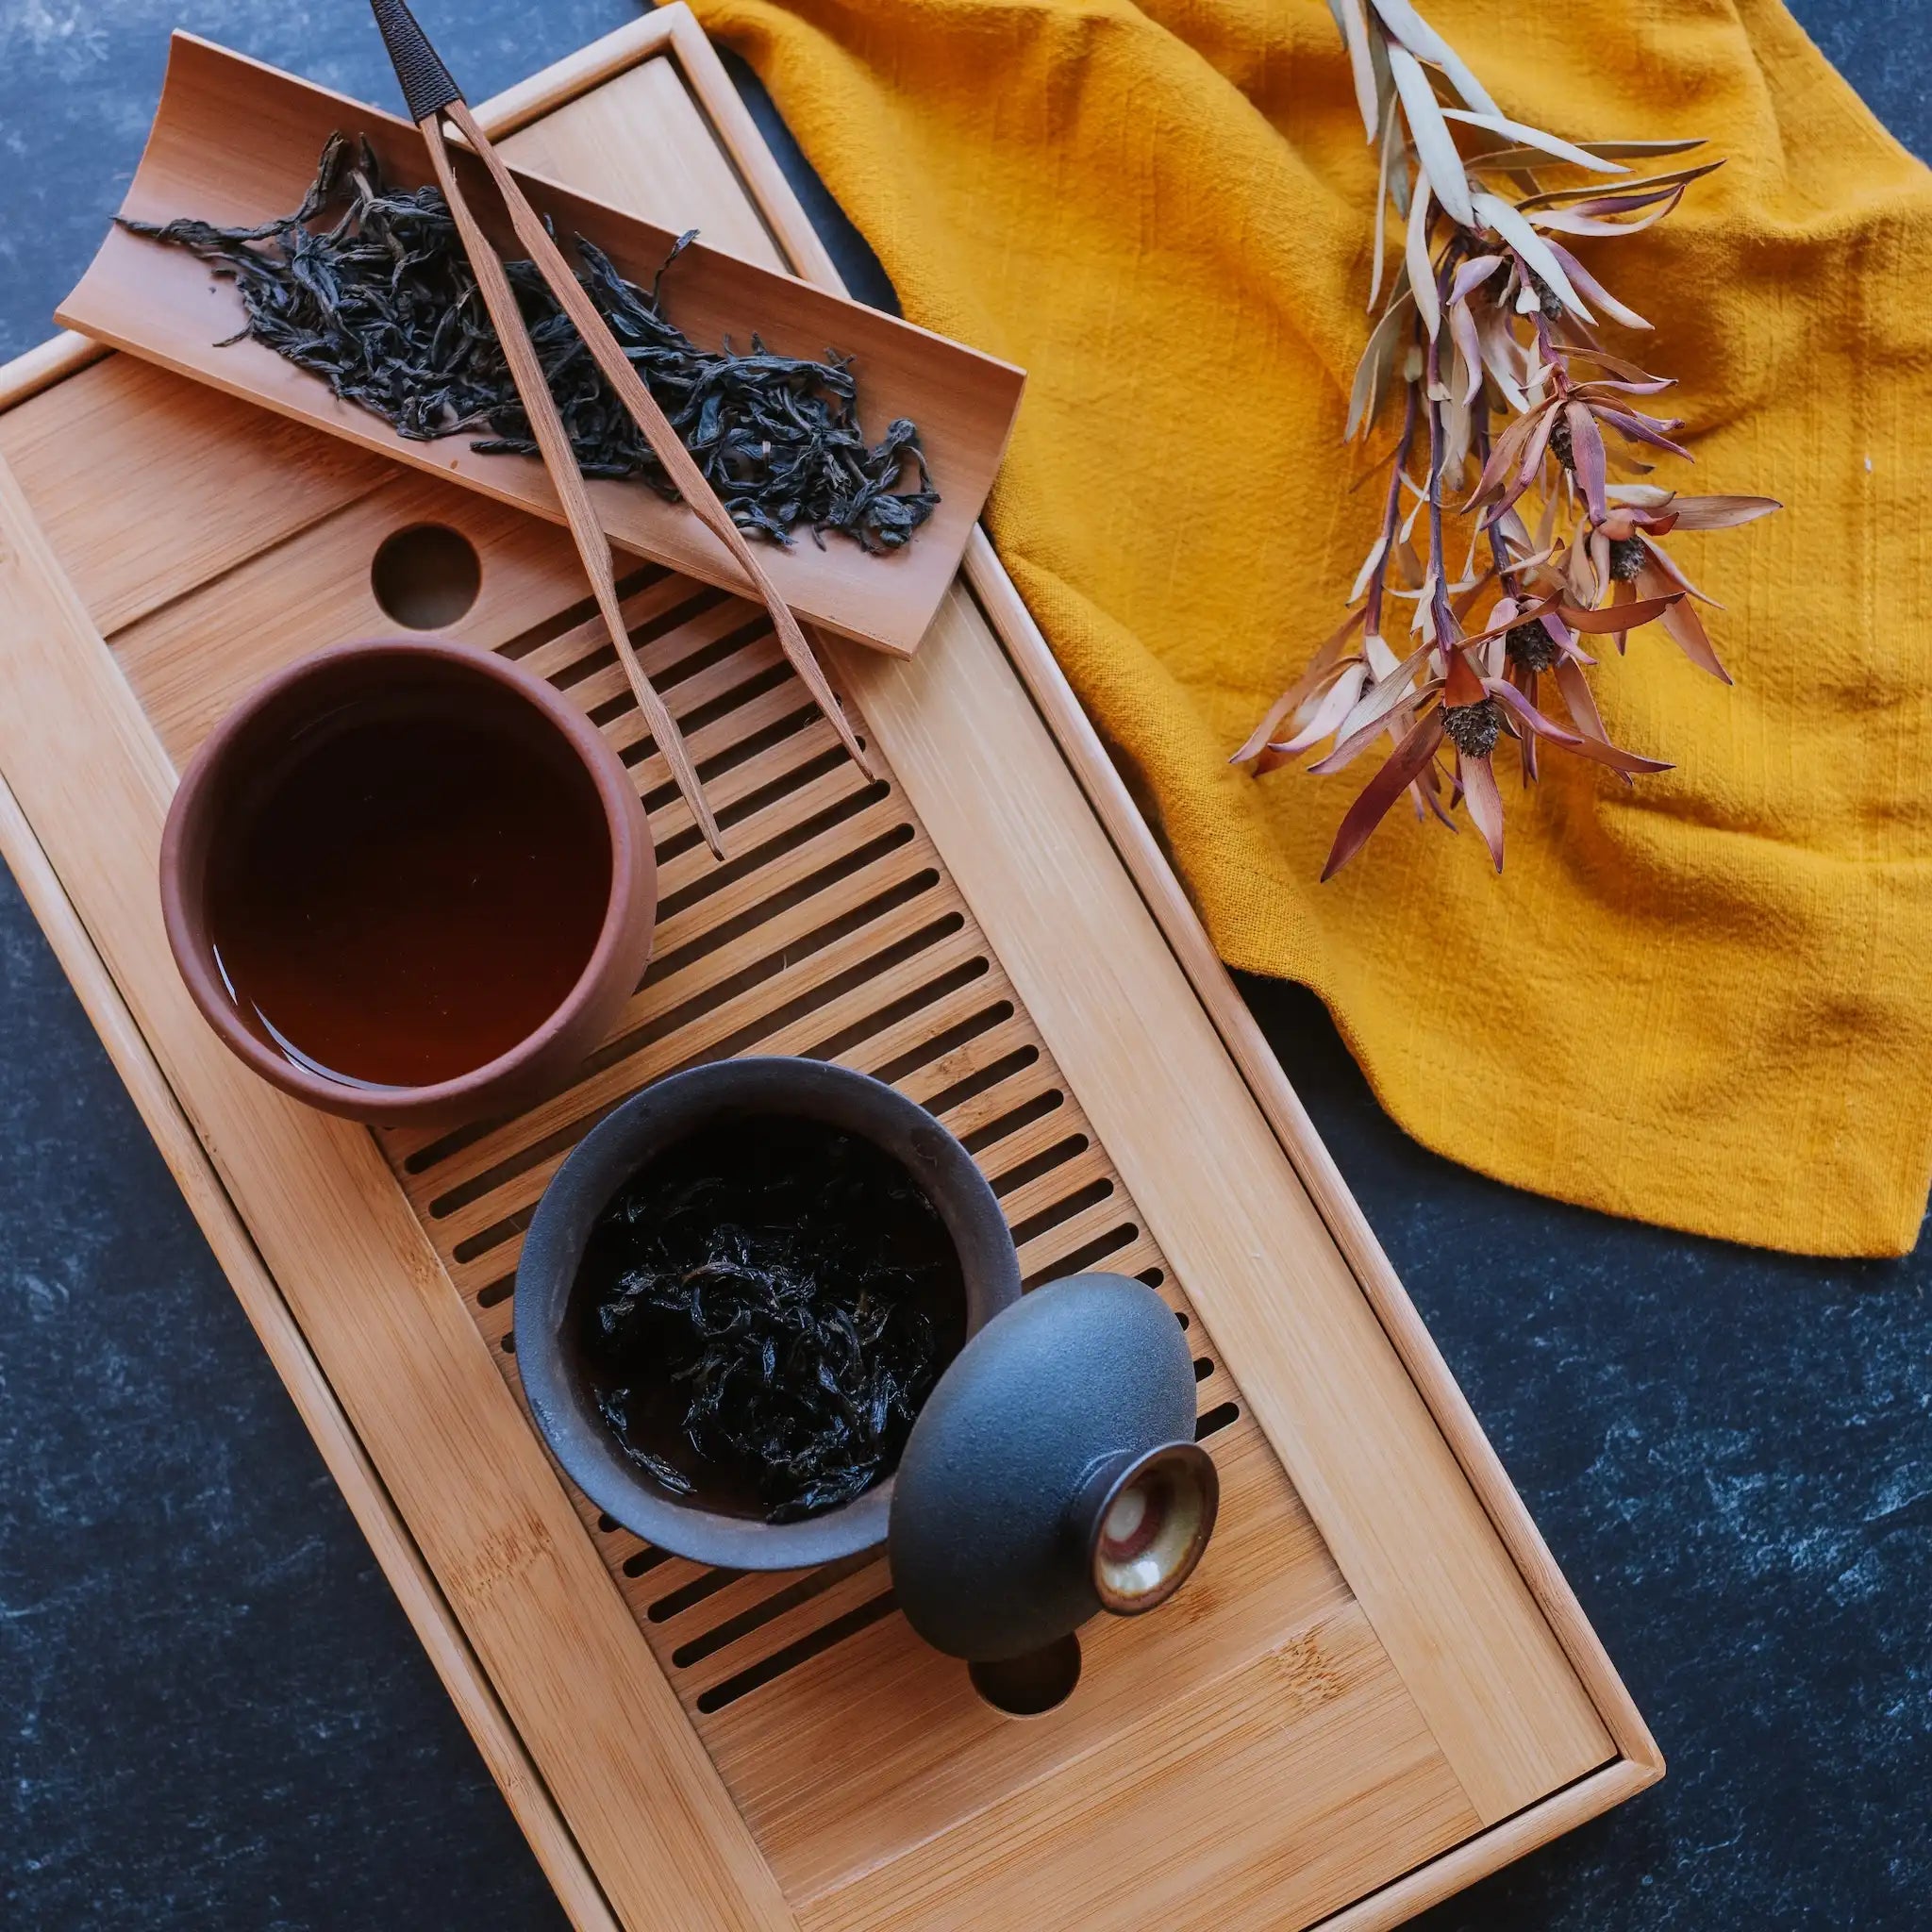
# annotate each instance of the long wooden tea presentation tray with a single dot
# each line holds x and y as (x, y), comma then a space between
(236, 143)
(1377, 1687)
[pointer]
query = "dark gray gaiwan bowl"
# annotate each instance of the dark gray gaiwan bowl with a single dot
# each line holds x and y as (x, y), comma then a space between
(548, 1351)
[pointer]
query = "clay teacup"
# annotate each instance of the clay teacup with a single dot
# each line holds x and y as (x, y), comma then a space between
(407, 882)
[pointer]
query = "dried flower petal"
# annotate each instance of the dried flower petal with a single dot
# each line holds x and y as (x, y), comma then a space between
(1291, 699)
(1421, 273)
(1629, 617)
(1372, 804)
(1721, 512)
(1425, 43)
(1472, 274)
(1485, 804)
(1587, 455)
(1494, 212)
(1434, 147)
(1525, 713)
(1587, 284)
(1536, 138)
(1354, 32)
(1516, 380)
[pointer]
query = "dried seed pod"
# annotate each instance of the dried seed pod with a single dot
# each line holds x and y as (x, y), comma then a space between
(1627, 558)
(1473, 730)
(1531, 646)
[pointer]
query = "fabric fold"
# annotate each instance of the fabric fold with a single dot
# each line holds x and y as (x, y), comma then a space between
(1701, 1001)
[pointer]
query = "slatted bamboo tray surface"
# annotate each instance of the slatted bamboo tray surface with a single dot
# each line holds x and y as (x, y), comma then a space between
(1378, 1686)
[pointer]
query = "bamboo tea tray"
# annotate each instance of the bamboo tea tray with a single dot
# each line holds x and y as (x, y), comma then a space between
(1377, 1688)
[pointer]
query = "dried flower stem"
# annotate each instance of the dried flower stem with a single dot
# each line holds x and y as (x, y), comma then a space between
(1487, 320)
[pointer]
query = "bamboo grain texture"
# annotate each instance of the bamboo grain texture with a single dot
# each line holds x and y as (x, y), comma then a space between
(1376, 1686)
(642, 1797)
(832, 934)
(282, 1338)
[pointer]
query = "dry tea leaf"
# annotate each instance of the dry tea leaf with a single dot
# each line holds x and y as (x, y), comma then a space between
(369, 288)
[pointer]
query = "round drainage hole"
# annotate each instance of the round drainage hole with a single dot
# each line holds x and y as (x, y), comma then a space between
(1033, 1684)
(425, 578)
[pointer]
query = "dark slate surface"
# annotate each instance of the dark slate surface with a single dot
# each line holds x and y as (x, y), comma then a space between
(212, 1712)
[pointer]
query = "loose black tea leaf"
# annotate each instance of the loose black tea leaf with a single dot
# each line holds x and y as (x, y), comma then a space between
(764, 1310)
(368, 287)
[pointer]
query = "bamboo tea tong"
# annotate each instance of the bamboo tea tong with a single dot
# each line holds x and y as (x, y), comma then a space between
(430, 95)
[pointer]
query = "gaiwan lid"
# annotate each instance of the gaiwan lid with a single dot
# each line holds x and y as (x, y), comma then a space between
(1052, 1473)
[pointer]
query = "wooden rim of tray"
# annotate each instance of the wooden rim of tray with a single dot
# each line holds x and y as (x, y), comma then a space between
(672, 30)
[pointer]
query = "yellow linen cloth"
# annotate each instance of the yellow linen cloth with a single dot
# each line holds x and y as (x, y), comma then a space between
(1703, 1001)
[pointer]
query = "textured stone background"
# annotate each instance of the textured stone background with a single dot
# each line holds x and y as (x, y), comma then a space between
(212, 1712)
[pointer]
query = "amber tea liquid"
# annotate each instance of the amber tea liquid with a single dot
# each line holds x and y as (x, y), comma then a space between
(415, 887)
